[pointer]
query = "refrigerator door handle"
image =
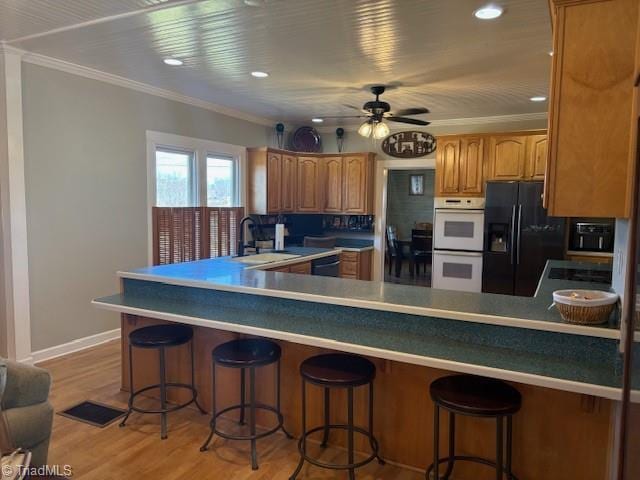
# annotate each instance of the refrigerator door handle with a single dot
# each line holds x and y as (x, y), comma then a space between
(513, 234)
(519, 231)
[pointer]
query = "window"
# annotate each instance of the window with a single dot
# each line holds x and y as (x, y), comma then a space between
(220, 181)
(189, 172)
(174, 178)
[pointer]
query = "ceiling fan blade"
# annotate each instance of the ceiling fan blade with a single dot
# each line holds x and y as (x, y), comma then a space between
(356, 108)
(345, 116)
(413, 121)
(409, 111)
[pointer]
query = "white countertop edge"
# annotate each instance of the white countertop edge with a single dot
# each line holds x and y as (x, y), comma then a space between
(519, 377)
(291, 261)
(542, 325)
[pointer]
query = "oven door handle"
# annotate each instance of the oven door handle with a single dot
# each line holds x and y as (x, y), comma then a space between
(513, 234)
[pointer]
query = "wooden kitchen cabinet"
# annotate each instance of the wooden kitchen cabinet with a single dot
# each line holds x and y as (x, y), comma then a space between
(332, 178)
(507, 157)
(356, 265)
(357, 196)
(288, 183)
(592, 119)
(309, 185)
(448, 167)
(536, 157)
(301, 268)
(471, 175)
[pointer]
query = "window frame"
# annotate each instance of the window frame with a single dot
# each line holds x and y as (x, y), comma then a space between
(201, 149)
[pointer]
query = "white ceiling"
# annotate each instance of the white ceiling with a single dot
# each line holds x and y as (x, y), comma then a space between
(320, 53)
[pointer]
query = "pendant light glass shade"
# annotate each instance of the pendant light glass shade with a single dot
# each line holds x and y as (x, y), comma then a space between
(365, 129)
(381, 130)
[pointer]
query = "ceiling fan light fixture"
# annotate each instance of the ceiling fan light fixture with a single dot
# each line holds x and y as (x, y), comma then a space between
(365, 129)
(380, 130)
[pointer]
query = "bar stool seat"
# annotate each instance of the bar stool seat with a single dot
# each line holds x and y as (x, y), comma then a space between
(471, 395)
(479, 397)
(161, 337)
(157, 336)
(338, 369)
(248, 352)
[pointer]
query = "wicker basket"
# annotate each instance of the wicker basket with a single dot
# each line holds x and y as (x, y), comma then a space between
(585, 307)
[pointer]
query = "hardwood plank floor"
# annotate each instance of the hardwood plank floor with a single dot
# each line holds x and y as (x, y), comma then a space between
(136, 451)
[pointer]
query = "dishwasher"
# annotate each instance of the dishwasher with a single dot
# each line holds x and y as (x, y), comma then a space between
(326, 266)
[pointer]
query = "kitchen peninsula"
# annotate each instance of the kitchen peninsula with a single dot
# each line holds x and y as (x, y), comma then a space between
(567, 374)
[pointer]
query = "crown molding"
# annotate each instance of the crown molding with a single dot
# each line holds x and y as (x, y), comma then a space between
(520, 117)
(91, 73)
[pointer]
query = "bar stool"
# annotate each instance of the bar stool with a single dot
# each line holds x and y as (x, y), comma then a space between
(249, 353)
(478, 397)
(161, 337)
(337, 370)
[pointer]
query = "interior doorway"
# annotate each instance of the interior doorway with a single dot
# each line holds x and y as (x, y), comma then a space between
(409, 226)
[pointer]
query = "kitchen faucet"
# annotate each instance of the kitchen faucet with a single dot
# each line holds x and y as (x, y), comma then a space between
(241, 244)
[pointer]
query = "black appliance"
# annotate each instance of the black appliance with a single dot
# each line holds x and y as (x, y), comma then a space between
(592, 236)
(326, 266)
(519, 238)
(581, 275)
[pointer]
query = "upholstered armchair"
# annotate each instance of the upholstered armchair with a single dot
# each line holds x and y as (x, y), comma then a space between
(26, 415)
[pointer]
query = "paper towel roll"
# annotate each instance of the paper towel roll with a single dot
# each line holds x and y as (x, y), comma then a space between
(279, 236)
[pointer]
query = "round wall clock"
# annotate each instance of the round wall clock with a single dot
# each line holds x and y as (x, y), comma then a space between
(411, 144)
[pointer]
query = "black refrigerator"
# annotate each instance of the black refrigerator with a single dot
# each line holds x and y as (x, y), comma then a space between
(519, 238)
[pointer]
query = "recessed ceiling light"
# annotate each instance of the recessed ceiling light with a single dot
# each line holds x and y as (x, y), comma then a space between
(317, 120)
(551, 53)
(254, 3)
(174, 62)
(488, 12)
(538, 99)
(259, 74)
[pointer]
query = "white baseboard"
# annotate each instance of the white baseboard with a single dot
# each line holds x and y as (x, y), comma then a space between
(74, 346)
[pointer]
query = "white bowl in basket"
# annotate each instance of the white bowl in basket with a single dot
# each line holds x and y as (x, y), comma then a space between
(589, 307)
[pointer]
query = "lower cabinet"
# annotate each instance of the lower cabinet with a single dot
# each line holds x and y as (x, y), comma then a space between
(303, 268)
(355, 265)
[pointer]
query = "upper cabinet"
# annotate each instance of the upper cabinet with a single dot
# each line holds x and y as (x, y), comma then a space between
(332, 168)
(465, 162)
(507, 155)
(309, 187)
(287, 182)
(357, 183)
(591, 109)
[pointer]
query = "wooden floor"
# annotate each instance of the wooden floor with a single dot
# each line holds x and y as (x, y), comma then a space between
(137, 452)
(423, 279)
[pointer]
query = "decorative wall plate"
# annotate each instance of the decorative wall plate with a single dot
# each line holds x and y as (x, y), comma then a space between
(306, 139)
(411, 144)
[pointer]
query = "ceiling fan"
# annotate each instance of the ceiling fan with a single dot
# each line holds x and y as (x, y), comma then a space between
(377, 111)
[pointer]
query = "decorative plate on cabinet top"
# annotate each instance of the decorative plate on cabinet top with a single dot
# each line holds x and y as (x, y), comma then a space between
(306, 139)
(411, 144)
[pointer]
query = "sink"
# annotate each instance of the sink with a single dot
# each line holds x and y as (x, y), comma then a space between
(262, 258)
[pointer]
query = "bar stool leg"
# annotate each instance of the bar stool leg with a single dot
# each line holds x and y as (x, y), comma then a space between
(302, 445)
(163, 395)
(374, 444)
(499, 447)
(212, 423)
(193, 380)
(452, 445)
(131, 390)
(242, 396)
(509, 445)
(436, 443)
(288, 435)
(352, 474)
(252, 406)
(327, 416)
